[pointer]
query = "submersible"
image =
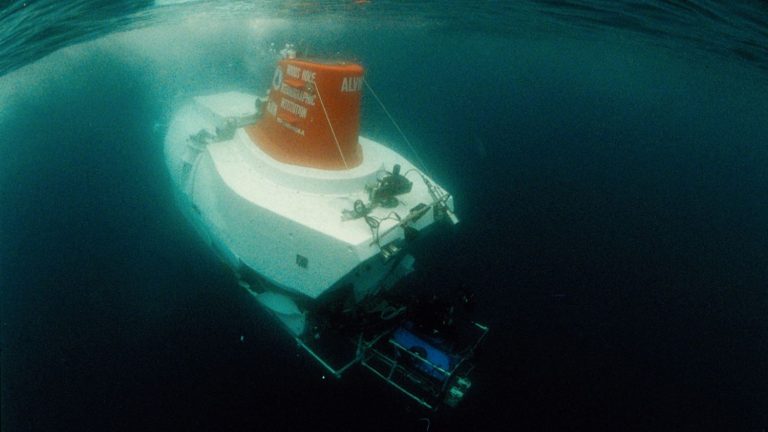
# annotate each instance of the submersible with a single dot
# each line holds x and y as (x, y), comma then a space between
(317, 221)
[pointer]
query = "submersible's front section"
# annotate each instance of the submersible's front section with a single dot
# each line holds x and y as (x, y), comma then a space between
(314, 219)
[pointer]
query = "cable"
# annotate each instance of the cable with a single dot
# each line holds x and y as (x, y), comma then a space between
(415, 153)
(336, 140)
(437, 193)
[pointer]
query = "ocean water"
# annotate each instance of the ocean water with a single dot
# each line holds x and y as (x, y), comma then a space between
(609, 161)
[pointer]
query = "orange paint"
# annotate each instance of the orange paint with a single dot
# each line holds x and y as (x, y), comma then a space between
(294, 128)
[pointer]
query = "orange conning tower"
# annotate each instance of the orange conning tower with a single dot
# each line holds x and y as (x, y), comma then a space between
(312, 115)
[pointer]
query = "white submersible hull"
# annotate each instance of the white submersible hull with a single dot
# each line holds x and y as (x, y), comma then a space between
(314, 219)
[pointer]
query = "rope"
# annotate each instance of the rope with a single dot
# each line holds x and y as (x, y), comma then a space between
(413, 150)
(336, 140)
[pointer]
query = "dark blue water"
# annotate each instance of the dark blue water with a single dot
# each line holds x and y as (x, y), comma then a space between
(609, 166)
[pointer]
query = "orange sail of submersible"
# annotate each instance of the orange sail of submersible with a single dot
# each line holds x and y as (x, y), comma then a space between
(312, 117)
